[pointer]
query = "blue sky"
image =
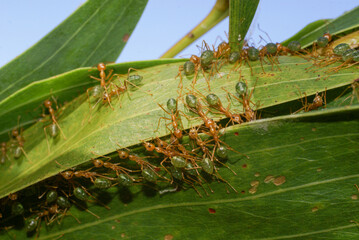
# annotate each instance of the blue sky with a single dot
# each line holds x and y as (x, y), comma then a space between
(24, 22)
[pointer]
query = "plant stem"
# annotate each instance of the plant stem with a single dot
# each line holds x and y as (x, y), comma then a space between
(217, 14)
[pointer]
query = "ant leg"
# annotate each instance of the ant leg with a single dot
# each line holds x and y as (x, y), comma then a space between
(100, 155)
(62, 133)
(180, 85)
(47, 140)
(249, 67)
(98, 79)
(109, 76)
(84, 208)
(325, 97)
(23, 151)
(159, 121)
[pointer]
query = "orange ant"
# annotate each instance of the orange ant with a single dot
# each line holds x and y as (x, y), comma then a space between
(214, 102)
(68, 175)
(321, 43)
(114, 89)
(317, 102)
(168, 152)
(103, 78)
(13, 196)
(223, 51)
(270, 51)
(249, 53)
(142, 163)
(3, 153)
(204, 62)
(214, 129)
(193, 134)
(54, 127)
(208, 122)
(113, 166)
(174, 113)
(50, 214)
(355, 93)
(18, 137)
(282, 49)
(241, 88)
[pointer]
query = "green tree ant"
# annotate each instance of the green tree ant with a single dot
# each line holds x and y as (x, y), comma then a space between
(317, 102)
(54, 127)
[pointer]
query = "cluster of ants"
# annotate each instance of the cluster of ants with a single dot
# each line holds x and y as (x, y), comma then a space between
(186, 159)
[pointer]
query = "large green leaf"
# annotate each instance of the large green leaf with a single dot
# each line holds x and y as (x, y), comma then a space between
(316, 152)
(241, 13)
(99, 130)
(96, 32)
(28, 100)
(345, 22)
(306, 30)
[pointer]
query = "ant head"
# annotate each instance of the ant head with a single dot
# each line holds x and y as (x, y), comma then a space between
(15, 132)
(149, 146)
(216, 137)
(223, 45)
(328, 36)
(210, 122)
(101, 67)
(97, 163)
(279, 47)
(133, 158)
(318, 99)
(161, 143)
(174, 139)
(178, 133)
(193, 133)
(195, 59)
(67, 175)
(53, 209)
(13, 196)
(236, 118)
(47, 103)
(106, 97)
(122, 154)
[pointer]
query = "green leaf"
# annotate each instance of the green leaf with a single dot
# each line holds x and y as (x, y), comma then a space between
(347, 21)
(315, 152)
(241, 13)
(96, 32)
(307, 29)
(99, 130)
(28, 100)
